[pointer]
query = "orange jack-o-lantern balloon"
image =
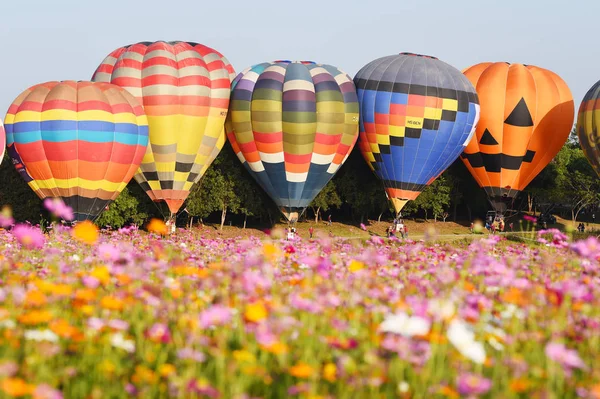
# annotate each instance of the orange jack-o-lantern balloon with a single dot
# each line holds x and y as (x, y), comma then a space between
(526, 116)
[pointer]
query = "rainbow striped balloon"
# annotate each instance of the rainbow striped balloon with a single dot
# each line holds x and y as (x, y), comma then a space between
(80, 141)
(2, 141)
(184, 88)
(293, 124)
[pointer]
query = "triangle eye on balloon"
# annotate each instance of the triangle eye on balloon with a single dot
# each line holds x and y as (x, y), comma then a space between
(487, 138)
(520, 115)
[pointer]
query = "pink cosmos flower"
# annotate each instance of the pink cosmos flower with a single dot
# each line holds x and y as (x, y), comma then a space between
(568, 358)
(29, 237)
(58, 208)
(45, 391)
(473, 384)
(216, 315)
(159, 332)
(363, 227)
(191, 354)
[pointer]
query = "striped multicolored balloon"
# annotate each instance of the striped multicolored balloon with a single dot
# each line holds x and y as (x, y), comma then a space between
(2, 141)
(293, 124)
(80, 141)
(184, 88)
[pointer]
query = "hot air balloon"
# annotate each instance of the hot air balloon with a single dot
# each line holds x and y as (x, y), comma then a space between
(2, 141)
(184, 88)
(526, 116)
(417, 115)
(79, 141)
(587, 126)
(293, 124)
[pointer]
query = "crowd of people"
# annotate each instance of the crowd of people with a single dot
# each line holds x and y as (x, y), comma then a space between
(397, 228)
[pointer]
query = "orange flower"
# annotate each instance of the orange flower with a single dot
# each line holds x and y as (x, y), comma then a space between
(86, 232)
(519, 385)
(62, 328)
(157, 226)
(16, 387)
(166, 370)
(85, 295)
(513, 295)
(449, 392)
(111, 303)
(35, 298)
(595, 391)
(255, 312)
(301, 370)
(35, 317)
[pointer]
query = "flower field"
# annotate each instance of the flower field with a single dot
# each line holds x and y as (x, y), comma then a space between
(88, 314)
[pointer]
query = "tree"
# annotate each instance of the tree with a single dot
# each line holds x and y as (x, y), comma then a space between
(327, 198)
(17, 194)
(131, 206)
(435, 198)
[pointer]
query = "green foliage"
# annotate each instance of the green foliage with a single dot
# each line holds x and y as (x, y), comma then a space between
(435, 198)
(129, 207)
(327, 198)
(18, 195)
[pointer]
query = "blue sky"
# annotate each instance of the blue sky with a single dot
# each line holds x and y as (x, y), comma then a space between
(46, 40)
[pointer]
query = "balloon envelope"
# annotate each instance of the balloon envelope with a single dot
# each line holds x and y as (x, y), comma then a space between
(2, 141)
(417, 115)
(79, 141)
(184, 88)
(526, 117)
(587, 126)
(293, 124)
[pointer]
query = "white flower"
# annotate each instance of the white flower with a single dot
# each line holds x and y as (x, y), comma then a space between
(494, 343)
(441, 309)
(118, 341)
(403, 387)
(183, 245)
(461, 336)
(8, 323)
(40, 335)
(512, 310)
(76, 258)
(402, 324)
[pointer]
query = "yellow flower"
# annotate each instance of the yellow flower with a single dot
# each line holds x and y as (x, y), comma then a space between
(255, 312)
(61, 290)
(101, 274)
(166, 370)
(355, 266)
(86, 232)
(144, 374)
(35, 317)
(329, 372)
(277, 348)
(35, 298)
(111, 303)
(106, 366)
(16, 387)
(157, 226)
(244, 356)
(301, 370)
(85, 295)
(270, 251)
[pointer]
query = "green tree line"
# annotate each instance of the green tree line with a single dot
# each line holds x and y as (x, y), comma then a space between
(227, 194)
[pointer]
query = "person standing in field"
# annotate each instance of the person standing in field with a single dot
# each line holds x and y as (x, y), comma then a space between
(311, 230)
(329, 220)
